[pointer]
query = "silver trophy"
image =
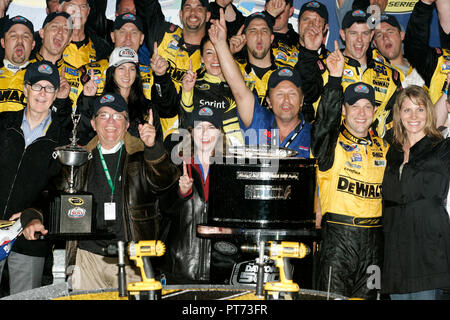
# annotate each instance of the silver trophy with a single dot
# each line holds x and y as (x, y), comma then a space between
(71, 210)
(72, 155)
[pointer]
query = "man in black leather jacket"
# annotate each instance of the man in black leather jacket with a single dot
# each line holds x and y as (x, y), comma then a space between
(140, 171)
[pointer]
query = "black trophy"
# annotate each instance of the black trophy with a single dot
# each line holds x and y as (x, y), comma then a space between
(71, 212)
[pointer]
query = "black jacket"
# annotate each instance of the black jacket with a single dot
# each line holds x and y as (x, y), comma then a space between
(416, 224)
(416, 47)
(188, 257)
(26, 172)
(146, 174)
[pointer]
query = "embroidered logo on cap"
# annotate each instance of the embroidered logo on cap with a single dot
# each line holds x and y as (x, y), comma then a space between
(107, 98)
(285, 73)
(129, 16)
(358, 13)
(205, 111)
(258, 14)
(19, 18)
(361, 89)
(45, 68)
(126, 53)
(313, 4)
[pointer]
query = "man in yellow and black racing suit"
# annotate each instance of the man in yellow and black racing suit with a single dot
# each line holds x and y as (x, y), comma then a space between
(351, 164)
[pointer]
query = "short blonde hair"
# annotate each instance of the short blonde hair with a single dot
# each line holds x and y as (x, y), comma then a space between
(420, 97)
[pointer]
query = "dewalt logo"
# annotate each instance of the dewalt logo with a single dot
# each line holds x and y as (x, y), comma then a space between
(359, 188)
(12, 95)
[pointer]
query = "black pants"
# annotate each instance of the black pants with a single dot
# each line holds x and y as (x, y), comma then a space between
(352, 255)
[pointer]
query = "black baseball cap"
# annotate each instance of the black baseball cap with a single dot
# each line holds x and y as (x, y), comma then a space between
(50, 17)
(112, 100)
(390, 19)
(282, 74)
(42, 70)
(357, 91)
(16, 20)
(208, 114)
(351, 17)
(204, 3)
(315, 6)
(258, 15)
(128, 18)
(291, 2)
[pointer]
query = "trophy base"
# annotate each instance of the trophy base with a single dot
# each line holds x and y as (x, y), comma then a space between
(72, 217)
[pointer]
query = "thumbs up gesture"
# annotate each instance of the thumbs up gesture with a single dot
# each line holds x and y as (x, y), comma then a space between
(185, 181)
(147, 131)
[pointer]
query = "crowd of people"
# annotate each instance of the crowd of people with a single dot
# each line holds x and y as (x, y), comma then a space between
(374, 112)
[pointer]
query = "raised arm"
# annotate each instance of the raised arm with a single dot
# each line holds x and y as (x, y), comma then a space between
(243, 96)
(154, 21)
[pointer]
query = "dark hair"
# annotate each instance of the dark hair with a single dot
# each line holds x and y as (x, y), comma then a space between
(205, 39)
(137, 102)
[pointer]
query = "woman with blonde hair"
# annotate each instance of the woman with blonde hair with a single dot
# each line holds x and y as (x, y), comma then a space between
(416, 181)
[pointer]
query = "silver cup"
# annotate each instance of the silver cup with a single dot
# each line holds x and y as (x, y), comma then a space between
(72, 155)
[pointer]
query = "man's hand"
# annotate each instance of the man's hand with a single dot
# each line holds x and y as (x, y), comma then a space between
(313, 38)
(90, 87)
(218, 30)
(34, 226)
(147, 131)
(158, 64)
(4, 4)
(238, 41)
(275, 7)
(185, 181)
(64, 86)
(335, 61)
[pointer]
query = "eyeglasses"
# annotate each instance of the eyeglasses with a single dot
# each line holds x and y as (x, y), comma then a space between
(37, 87)
(105, 116)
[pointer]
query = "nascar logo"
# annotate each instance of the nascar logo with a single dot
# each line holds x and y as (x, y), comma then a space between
(361, 89)
(45, 68)
(358, 13)
(313, 4)
(107, 98)
(258, 14)
(20, 19)
(129, 16)
(76, 201)
(205, 111)
(285, 73)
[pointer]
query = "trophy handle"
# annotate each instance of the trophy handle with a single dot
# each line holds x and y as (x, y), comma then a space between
(55, 155)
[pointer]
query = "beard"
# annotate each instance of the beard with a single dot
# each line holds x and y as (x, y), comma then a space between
(259, 54)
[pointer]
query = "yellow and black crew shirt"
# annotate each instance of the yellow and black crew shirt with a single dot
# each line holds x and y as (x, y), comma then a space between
(210, 91)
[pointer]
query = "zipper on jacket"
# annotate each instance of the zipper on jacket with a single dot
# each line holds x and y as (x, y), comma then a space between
(203, 245)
